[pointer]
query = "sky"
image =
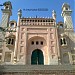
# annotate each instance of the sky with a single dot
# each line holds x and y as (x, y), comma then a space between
(36, 4)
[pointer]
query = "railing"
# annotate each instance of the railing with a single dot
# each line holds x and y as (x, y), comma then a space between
(37, 23)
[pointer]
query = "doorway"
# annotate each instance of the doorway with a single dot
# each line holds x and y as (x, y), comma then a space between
(37, 57)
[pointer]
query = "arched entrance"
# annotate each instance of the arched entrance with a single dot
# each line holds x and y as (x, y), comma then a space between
(37, 57)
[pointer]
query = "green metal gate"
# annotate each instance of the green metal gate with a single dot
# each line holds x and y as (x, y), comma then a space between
(37, 57)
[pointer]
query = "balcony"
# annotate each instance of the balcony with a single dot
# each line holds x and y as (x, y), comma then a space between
(10, 41)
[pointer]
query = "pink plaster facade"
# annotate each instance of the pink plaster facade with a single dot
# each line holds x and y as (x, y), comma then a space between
(47, 34)
(55, 41)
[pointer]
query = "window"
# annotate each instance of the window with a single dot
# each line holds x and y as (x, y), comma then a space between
(32, 20)
(51, 20)
(66, 8)
(10, 41)
(22, 20)
(48, 20)
(41, 42)
(63, 41)
(37, 42)
(40, 20)
(43, 20)
(61, 25)
(35, 20)
(6, 7)
(12, 24)
(32, 42)
(27, 20)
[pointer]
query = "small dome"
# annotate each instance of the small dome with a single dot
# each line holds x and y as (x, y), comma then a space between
(54, 11)
(7, 3)
(19, 10)
(65, 5)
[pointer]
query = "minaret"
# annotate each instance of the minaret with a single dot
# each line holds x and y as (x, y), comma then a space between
(17, 36)
(54, 15)
(7, 12)
(66, 14)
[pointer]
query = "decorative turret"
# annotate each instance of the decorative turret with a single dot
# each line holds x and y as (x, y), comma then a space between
(17, 35)
(7, 5)
(54, 14)
(66, 14)
(7, 12)
(19, 16)
(19, 13)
